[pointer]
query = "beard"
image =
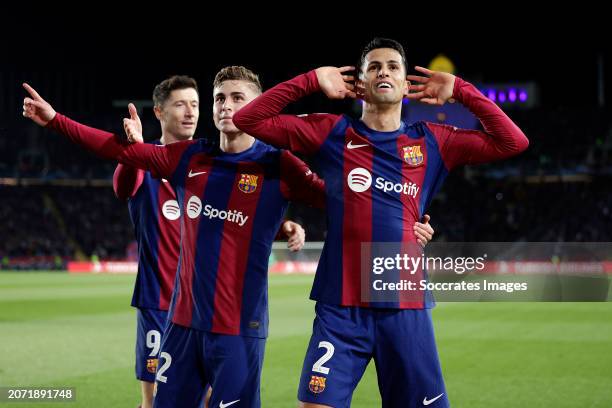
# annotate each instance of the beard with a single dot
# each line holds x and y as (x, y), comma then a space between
(383, 99)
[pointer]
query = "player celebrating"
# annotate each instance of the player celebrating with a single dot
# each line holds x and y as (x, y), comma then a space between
(155, 215)
(232, 199)
(232, 204)
(354, 156)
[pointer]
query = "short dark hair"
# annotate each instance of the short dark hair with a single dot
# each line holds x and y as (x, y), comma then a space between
(380, 42)
(237, 73)
(162, 91)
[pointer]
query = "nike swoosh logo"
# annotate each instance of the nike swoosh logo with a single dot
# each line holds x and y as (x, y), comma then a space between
(222, 405)
(350, 145)
(431, 401)
(195, 173)
(164, 180)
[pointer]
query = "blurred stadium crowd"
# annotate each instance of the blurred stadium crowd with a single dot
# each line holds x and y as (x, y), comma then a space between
(58, 203)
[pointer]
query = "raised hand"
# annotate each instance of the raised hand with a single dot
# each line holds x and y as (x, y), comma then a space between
(334, 82)
(36, 108)
(433, 89)
(132, 126)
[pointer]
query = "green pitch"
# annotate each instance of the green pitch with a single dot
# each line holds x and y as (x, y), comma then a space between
(78, 331)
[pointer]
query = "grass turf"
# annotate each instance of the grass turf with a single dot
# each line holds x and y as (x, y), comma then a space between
(78, 331)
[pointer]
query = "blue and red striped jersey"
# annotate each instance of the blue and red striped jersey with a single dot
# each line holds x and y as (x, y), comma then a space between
(232, 206)
(378, 184)
(155, 215)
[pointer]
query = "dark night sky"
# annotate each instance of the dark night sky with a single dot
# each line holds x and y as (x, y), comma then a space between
(124, 59)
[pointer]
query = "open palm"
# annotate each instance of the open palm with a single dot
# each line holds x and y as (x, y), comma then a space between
(335, 83)
(433, 89)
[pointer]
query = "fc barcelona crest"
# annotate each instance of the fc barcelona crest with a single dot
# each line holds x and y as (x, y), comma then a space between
(316, 384)
(248, 183)
(152, 365)
(413, 155)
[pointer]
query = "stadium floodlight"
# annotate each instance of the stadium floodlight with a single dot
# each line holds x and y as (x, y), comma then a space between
(512, 95)
(508, 95)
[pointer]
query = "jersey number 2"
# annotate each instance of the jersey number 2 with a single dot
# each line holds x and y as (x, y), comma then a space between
(161, 370)
(318, 365)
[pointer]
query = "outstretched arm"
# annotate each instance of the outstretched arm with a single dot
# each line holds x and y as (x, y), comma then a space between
(160, 160)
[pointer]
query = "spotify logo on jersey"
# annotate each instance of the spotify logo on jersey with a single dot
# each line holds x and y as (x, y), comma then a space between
(171, 210)
(194, 207)
(359, 180)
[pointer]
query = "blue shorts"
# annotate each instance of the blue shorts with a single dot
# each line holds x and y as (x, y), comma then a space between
(403, 347)
(150, 328)
(190, 359)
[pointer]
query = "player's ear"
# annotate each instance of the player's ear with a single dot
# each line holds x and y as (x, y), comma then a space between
(359, 78)
(157, 111)
(407, 87)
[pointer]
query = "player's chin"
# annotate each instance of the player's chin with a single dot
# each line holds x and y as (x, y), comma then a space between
(390, 100)
(186, 134)
(229, 129)
(385, 98)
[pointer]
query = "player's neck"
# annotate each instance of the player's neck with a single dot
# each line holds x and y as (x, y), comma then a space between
(382, 118)
(235, 143)
(168, 138)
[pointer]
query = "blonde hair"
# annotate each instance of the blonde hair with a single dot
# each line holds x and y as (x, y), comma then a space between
(235, 72)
